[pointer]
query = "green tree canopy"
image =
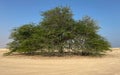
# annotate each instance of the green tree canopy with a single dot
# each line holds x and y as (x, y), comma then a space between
(59, 33)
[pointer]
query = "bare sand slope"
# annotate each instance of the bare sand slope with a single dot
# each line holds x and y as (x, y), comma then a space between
(36, 65)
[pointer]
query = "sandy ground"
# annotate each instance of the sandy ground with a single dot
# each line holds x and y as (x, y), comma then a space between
(76, 65)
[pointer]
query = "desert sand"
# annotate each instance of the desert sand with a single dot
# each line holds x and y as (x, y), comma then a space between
(68, 65)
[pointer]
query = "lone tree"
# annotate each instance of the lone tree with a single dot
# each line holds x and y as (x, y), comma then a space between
(57, 34)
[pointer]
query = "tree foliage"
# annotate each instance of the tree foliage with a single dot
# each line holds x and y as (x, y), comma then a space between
(58, 33)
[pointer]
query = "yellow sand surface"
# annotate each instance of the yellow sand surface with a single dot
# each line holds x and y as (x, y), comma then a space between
(68, 65)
